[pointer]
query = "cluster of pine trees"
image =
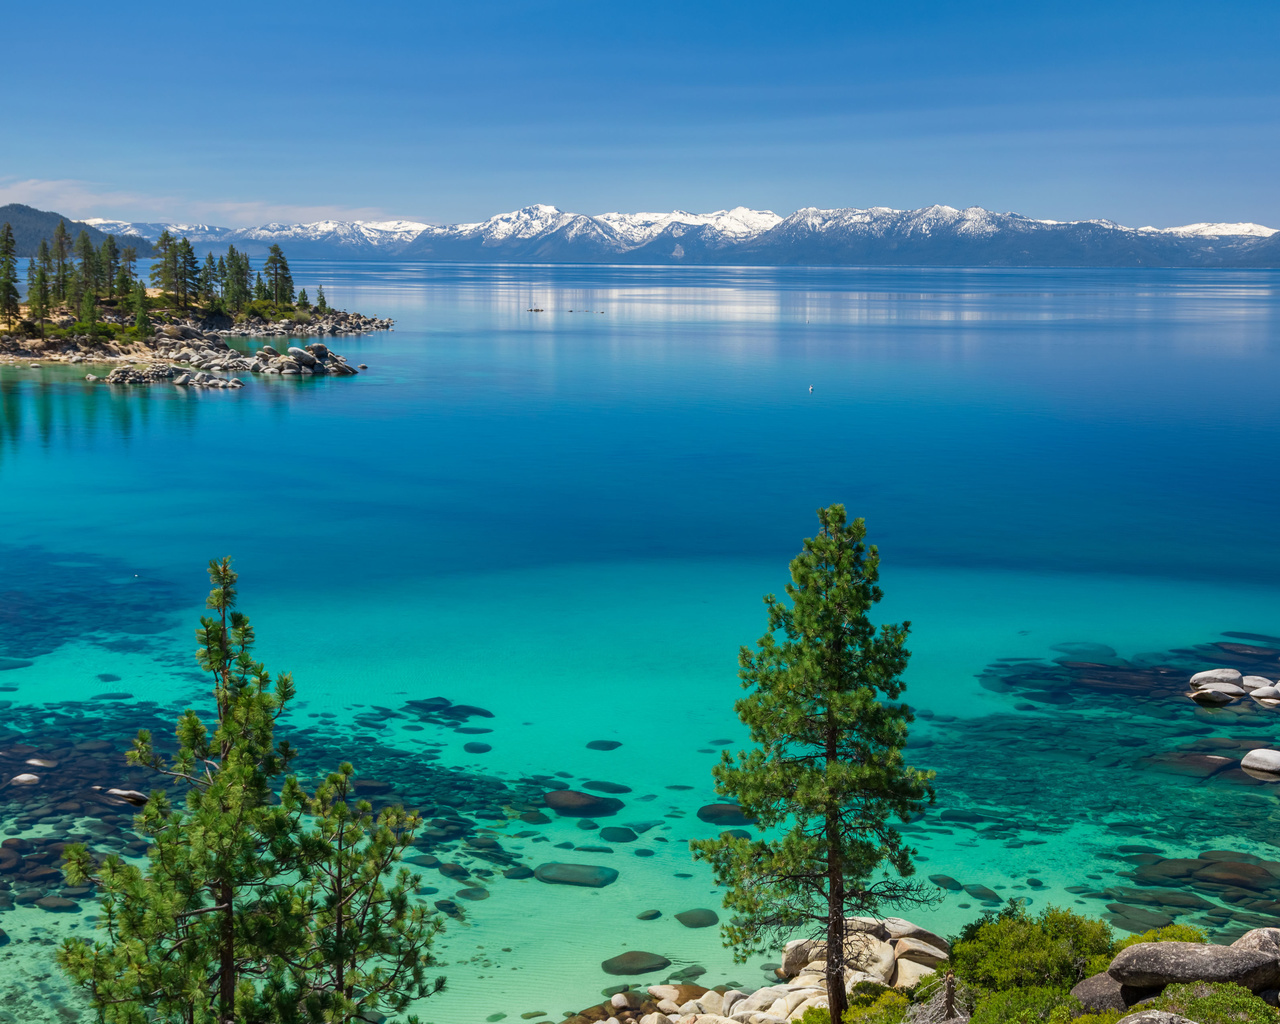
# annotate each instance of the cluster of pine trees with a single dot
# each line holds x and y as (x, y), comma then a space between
(79, 276)
(228, 283)
(68, 273)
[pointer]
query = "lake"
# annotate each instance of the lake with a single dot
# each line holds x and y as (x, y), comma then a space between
(558, 495)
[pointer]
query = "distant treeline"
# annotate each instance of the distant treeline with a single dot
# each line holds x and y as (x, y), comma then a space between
(228, 283)
(79, 275)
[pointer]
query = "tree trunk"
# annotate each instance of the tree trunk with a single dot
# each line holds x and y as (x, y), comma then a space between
(837, 1000)
(227, 979)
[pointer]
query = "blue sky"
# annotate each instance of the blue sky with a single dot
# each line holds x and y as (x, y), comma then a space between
(238, 113)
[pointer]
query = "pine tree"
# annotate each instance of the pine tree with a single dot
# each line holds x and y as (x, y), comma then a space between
(163, 270)
(365, 942)
(828, 766)
(109, 262)
(8, 274)
(39, 286)
(125, 275)
(88, 308)
(140, 320)
(279, 280)
(243, 913)
(237, 287)
(303, 301)
(61, 257)
(260, 292)
(186, 272)
(322, 304)
(208, 280)
(86, 281)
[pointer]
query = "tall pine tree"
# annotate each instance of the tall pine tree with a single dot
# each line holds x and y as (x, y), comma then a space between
(279, 280)
(109, 264)
(164, 265)
(827, 771)
(61, 257)
(244, 914)
(8, 274)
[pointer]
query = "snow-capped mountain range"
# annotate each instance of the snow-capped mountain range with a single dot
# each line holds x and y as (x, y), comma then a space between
(933, 236)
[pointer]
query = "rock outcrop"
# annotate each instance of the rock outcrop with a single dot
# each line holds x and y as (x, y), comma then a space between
(1151, 964)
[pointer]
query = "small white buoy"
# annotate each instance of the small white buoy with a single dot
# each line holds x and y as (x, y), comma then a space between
(810, 389)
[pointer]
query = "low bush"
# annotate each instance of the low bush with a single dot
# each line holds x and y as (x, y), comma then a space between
(888, 1008)
(1215, 1004)
(1011, 949)
(1026, 1006)
(868, 1004)
(1169, 933)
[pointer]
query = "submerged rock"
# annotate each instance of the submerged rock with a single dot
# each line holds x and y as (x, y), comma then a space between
(588, 875)
(570, 803)
(700, 918)
(635, 961)
(723, 814)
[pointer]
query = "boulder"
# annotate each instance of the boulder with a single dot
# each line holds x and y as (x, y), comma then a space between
(304, 358)
(1264, 940)
(1237, 874)
(1216, 675)
(1212, 695)
(1101, 993)
(918, 951)
(588, 875)
(723, 814)
(570, 803)
(635, 961)
(1262, 760)
(1255, 682)
(57, 905)
(1154, 1017)
(1265, 693)
(700, 918)
(909, 974)
(900, 928)
(868, 925)
(1230, 689)
(1150, 964)
(864, 952)
(801, 952)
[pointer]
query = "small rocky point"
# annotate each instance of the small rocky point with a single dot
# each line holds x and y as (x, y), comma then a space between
(197, 354)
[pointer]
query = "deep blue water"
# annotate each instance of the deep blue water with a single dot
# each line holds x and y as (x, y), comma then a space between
(570, 517)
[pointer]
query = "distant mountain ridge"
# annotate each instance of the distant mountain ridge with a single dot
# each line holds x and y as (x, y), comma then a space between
(877, 236)
(31, 225)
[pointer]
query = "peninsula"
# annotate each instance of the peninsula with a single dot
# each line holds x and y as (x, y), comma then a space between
(87, 304)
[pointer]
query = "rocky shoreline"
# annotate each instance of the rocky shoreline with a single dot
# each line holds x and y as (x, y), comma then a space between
(194, 353)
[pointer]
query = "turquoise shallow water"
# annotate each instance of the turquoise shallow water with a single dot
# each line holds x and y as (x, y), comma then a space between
(569, 518)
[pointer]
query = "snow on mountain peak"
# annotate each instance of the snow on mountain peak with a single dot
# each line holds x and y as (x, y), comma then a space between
(1210, 230)
(877, 233)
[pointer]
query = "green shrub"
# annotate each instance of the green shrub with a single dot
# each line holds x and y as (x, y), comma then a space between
(864, 993)
(869, 1003)
(1215, 1004)
(1169, 933)
(1026, 1006)
(1106, 1017)
(889, 1008)
(1012, 949)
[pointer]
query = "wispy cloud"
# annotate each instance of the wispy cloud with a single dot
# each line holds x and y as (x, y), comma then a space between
(81, 199)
